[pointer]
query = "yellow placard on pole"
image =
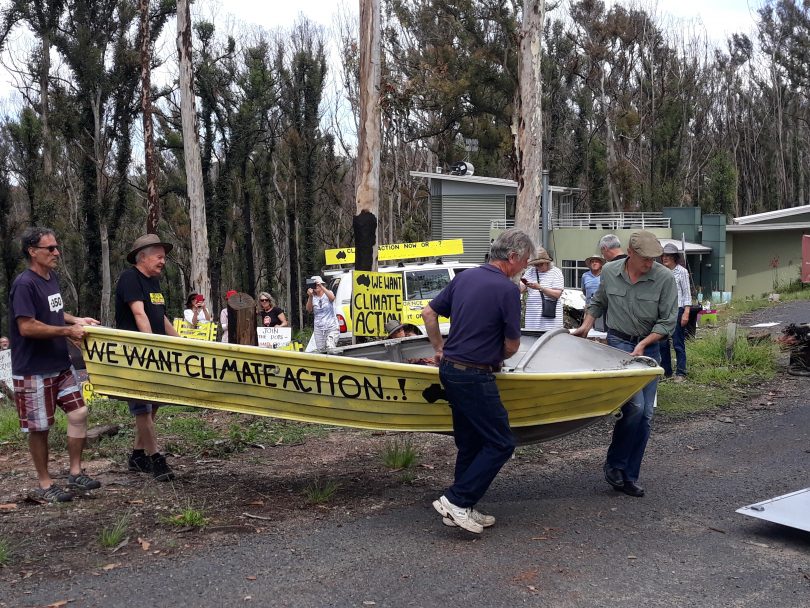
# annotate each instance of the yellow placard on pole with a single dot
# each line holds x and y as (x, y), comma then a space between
(400, 251)
(88, 393)
(206, 331)
(376, 299)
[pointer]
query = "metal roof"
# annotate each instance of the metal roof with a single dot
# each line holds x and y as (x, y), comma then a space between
(690, 247)
(767, 227)
(771, 215)
(489, 181)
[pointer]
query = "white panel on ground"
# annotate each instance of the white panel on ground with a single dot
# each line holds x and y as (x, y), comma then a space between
(789, 510)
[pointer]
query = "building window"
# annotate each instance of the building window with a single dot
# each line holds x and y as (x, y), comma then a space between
(572, 272)
(511, 203)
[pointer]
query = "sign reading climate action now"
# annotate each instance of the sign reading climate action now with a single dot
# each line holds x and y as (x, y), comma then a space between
(376, 299)
(400, 251)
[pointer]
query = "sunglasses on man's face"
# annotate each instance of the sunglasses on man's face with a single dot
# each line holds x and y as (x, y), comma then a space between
(50, 248)
(263, 300)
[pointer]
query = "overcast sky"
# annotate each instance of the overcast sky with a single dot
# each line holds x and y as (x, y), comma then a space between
(719, 18)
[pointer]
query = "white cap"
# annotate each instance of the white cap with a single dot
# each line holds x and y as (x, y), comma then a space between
(317, 279)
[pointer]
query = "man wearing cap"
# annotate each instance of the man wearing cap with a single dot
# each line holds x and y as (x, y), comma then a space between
(642, 299)
(42, 374)
(320, 302)
(484, 304)
(140, 306)
(671, 259)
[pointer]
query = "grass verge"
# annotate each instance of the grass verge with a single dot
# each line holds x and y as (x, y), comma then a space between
(189, 517)
(713, 380)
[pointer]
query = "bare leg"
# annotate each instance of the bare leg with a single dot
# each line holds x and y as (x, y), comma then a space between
(38, 446)
(75, 445)
(145, 433)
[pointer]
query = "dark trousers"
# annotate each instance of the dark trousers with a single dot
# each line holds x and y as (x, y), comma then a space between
(481, 431)
(679, 343)
(632, 430)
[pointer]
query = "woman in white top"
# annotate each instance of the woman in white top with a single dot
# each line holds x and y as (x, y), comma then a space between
(320, 302)
(542, 280)
(196, 312)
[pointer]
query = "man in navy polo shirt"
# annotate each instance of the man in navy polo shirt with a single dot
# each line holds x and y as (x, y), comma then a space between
(40, 365)
(484, 305)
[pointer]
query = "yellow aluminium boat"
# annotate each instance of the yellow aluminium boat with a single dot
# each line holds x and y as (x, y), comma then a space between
(554, 385)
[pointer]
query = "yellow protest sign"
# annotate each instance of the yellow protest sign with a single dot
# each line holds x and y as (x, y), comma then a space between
(206, 331)
(412, 312)
(400, 251)
(376, 298)
(88, 393)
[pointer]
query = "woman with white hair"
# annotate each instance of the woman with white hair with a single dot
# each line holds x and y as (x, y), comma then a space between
(320, 302)
(544, 284)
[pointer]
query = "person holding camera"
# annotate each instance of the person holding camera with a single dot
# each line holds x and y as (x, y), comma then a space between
(320, 302)
(196, 312)
(543, 282)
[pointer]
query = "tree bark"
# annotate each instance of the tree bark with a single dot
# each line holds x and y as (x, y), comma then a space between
(44, 75)
(368, 154)
(152, 199)
(529, 119)
(191, 152)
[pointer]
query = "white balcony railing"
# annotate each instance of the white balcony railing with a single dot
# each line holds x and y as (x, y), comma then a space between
(600, 221)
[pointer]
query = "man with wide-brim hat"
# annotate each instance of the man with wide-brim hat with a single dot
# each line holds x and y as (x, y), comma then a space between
(640, 298)
(147, 240)
(140, 306)
(592, 278)
(394, 329)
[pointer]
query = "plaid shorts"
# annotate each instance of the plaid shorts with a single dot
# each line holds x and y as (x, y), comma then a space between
(37, 397)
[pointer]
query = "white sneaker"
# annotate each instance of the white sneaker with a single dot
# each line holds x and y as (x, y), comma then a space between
(459, 516)
(486, 521)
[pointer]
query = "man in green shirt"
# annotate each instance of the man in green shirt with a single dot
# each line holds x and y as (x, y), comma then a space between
(639, 299)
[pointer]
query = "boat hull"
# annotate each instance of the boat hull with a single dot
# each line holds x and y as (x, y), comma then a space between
(339, 390)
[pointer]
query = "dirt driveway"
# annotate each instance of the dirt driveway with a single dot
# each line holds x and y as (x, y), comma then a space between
(563, 537)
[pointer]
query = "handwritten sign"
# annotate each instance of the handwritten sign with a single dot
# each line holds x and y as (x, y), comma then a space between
(274, 337)
(5, 368)
(376, 299)
(88, 393)
(205, 331)
(400, 251)
(223, 368)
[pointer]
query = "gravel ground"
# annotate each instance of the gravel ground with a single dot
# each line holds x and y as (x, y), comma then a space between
(563, 537)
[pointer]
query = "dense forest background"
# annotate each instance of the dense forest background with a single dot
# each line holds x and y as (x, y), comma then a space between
(637, 114)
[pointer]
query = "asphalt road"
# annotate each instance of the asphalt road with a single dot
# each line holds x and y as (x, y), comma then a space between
(563, 537)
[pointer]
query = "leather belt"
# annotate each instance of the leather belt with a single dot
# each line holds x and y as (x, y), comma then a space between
(464, 366)
(625, 337)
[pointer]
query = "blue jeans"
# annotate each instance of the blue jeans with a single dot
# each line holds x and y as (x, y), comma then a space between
(481, 431)
(679, 342)
(632, 430)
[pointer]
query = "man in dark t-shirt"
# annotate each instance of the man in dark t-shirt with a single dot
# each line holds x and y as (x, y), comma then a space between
(140, 306)
(42, 374)
(484, 305)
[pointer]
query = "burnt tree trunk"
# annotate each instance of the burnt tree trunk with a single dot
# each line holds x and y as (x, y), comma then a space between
(368, 155)
(152, 200)
(242, 320)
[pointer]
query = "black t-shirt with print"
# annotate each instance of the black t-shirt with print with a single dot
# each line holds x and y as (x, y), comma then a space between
(273, 314)
(134, 286)
(35, 297)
